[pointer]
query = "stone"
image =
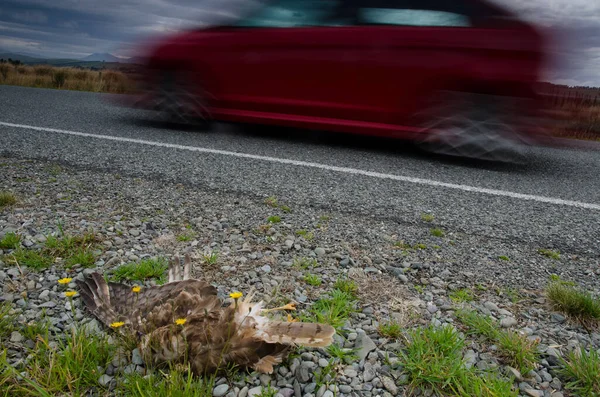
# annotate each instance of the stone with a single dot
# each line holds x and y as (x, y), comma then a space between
(508, 322)
(364, 345)
(389, 385)
(16, 337)
(369, 372)
(255, 391)
(220, 390)
(136, 357)
(320, 251)
(104, 380)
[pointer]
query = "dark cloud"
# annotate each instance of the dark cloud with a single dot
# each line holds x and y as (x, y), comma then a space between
(76, 28)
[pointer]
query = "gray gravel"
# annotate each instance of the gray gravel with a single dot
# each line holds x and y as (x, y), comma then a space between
(136, 218)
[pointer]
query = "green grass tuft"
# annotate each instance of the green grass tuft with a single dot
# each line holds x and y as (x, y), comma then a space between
(437, 232)
(427, 217)
(305, 263)
(333, 309)
(144, 270)
(347, 286)
(211, 258)
(581, 369)
(549, 253)
(515, 349)
(572, 300)
(36, 260)
(274, 219)
(341, 354)
(7, 199)
(504, 258)
(312, 279)
(461, 295)
(10, 241)
(390, 329)
(81, 256)
(433, 361)
(172, 382)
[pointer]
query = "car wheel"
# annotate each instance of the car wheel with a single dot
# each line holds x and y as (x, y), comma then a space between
(181, 101)
(474, 127)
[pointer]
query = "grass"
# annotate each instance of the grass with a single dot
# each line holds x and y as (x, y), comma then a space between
(7, 322)
(188, 235)
(267, 392)
(172, 382)
(333, 309)
(7, 199)
(144, 270)
(274, 219)
(211, 258)
(305, 263)
(339, 353)
(36, 260)
(504, 258)
(305, 234)
(312, 279)
(549, 253)
(427, 217)
(433, 361)
(581, 370)
(461, 295)
(10, 241)
(347, 286)
(390, 329)
(437, 232)
(81, 256)
(515, 349)
(570, 299)
(63, 78)
(69, 369)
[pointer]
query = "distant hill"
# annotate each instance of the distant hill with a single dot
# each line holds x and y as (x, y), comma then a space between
(101, 57)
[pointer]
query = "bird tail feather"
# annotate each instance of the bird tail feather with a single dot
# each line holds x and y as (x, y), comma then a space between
(96, 298)
(297, 333)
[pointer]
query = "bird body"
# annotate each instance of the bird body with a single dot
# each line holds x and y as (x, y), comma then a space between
(184, 321)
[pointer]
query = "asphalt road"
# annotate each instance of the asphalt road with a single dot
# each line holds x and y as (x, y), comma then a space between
(552, 201)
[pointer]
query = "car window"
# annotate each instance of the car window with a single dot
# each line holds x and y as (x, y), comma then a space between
(411, 17)
(296, 13)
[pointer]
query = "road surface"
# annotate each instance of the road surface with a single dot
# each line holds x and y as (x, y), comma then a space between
(553, 201)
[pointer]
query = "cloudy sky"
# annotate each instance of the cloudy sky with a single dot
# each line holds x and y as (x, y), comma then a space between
(76, 28)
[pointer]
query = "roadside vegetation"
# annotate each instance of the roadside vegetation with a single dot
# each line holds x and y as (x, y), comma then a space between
(65, 78)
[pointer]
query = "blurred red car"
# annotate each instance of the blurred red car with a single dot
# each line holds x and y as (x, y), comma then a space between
(456, 76)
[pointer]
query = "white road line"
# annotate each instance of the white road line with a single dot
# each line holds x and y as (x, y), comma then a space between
(308, 164)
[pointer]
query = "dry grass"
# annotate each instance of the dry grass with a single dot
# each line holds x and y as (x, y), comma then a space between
(44, 76)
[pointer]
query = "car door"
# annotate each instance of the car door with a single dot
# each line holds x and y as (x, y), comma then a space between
(289, 57)
(405, 51)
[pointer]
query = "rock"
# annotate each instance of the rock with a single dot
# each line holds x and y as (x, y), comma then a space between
(255, 391)
(491, 306)
(389, 385)
(104, 380)
(534, 393)
(364, 345)
(508, 322)
(220, 390)
(369, 372)
(266, 268)
(303, 372)
(136, 357)
(320, 251)
(16, 337)
(243, 392)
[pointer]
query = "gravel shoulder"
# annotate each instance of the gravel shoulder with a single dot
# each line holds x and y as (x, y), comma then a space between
(403, 271)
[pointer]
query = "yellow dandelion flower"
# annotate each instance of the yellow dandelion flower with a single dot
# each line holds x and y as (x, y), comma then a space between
(236, 295)
(65, 280)
(117, 324)
(70, 294)
(136, 289)
(291, 319)
(180, 321)
(289, 306)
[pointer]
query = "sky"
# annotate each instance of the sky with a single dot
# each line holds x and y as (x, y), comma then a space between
(76, 28)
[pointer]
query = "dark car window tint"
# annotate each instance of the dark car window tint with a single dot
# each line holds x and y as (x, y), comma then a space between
(411, 17)
(296, 13)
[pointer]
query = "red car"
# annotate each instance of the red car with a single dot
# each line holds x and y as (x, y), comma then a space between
(456, 76)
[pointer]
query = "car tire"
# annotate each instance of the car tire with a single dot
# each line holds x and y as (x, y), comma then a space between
(182, 102)
(475, 127)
